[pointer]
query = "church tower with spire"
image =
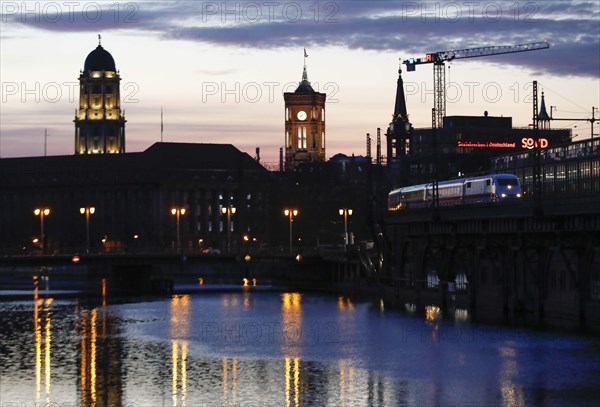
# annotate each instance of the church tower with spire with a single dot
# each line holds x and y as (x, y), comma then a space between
(399, 135)
(400, 130)
(99, 121)
(304, 124)
(543, 117)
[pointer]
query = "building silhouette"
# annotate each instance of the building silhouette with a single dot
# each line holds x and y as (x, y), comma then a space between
(464, 145)
(133, 194)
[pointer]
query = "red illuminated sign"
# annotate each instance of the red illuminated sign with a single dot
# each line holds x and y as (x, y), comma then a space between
(526, 142)
(529, 143)
(486, 144)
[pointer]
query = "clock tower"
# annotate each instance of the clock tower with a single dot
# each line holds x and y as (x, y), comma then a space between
(304, 124)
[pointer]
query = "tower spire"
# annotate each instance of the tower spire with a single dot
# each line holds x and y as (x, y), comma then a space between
(399, 130)
(400, 105)
(304, 74)
(543, 117)
(99, 40)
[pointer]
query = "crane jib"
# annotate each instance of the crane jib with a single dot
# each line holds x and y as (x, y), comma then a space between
(442, 56)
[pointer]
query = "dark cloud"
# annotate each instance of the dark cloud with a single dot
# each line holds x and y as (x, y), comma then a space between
(408, 28)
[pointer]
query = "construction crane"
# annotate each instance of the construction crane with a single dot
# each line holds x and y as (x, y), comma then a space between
(439, 73)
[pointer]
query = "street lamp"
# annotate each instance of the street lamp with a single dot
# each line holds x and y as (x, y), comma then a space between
(228, 210)
(42, 212)
(178, 212)
(291, 213)
(87, 211)
(345, 212)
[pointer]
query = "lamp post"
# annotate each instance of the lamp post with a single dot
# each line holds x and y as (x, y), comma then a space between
(291, 213)
(87, 211)
(345, 212)
(178, 212)
(42, 212)
(228, 210)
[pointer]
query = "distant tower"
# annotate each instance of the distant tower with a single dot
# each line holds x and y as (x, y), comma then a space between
(543, 118)
(304, 124)
(399, 131)
(99, 122)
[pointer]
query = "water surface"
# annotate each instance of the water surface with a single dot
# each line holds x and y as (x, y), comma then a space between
(280, 349)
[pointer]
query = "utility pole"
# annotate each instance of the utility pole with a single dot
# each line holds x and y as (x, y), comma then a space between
(435, 198)
(537, 170)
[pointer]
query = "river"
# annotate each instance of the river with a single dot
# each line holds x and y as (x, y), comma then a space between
(264, 348)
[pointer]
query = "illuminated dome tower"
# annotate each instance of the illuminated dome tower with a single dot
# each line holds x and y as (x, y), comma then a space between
(99, 122)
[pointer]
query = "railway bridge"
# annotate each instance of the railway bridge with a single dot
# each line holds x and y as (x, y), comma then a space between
(525, 259)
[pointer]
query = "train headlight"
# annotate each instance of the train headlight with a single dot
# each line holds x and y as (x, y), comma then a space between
(503, 195)
(518, 195)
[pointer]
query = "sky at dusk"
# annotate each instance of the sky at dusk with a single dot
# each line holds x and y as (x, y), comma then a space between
(219, 69)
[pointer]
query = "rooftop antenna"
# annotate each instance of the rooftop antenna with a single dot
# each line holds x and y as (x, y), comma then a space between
(45, 142)
(99, 40)
(161, 124)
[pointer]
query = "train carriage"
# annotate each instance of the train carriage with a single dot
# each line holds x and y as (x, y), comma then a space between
(463, 191)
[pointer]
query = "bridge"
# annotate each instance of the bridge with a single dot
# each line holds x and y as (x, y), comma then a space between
(143, 273)
(523, 259)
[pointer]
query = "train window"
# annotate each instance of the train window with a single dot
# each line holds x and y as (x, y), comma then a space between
(469, 184)
(488, 182)
(507, 181)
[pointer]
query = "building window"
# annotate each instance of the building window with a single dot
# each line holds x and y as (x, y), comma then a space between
(322, 139)
(322, 115)
(461, 282)
(289, 140)
(301, 137)
(287, 114)
(432, 279)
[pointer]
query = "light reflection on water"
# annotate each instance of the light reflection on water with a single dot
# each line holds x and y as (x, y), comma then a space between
(287, 349)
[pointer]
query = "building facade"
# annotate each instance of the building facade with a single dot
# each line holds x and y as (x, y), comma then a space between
(133, 195)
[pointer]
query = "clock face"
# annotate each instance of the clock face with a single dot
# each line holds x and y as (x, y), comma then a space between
(301, 115)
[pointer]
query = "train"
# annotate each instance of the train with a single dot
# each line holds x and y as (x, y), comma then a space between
(462, 191)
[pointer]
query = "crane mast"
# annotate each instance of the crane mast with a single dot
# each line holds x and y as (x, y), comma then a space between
(439, 73)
